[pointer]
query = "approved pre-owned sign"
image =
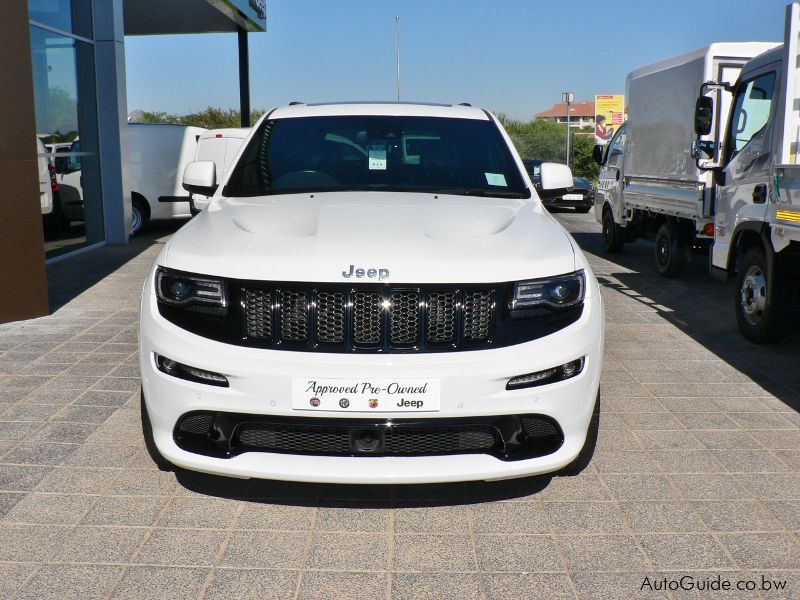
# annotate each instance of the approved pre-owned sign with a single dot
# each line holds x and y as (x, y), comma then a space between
(366, 395)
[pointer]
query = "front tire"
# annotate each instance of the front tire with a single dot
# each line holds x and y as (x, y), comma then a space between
(149, 443)
(672, 249)
(613, 236)
(756, 309)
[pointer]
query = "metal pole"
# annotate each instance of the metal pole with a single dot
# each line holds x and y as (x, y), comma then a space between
(397, 29)
(244, 78)
(568, 120)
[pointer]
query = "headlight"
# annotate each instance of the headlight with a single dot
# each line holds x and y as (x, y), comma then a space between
(538, 296)
(198, 292)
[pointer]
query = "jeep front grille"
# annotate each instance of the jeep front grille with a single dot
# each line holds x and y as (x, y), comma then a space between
(398, 318)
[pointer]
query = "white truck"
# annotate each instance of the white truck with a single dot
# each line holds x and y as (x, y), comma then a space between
(709, 156)
(157, 155)
(221, 146)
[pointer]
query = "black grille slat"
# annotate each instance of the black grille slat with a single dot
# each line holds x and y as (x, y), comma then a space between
(478, 312)
(197, 424)
(294, 316)
(404, 317)
(330, 317)
(367, 318)
(258, 314)
(441, 324)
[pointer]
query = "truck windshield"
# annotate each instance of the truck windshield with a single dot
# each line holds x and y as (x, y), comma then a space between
(377, 153)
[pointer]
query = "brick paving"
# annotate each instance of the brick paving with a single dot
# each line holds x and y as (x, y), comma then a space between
(695, 470)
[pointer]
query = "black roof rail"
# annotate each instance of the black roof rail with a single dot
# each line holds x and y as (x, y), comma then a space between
(464, 104)
(295, 103)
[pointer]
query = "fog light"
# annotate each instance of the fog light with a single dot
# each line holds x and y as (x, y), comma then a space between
(560, 373)
(181, 371)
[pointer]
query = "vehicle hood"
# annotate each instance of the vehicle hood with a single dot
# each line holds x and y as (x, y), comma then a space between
(416, 238)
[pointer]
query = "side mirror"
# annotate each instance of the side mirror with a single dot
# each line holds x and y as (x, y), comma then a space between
(703, 115)
(555, 179)
(200, 177)
(597, 153)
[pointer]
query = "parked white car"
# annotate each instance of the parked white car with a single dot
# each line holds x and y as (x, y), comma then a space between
(46, 178)
(157, 155)
(375, 294)
(221, 146)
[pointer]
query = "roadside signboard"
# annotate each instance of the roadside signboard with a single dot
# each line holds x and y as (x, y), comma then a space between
(609, 111)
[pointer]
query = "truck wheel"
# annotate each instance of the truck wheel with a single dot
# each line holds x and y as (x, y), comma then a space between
(613, 236)
(756, 312)
(672, 249)
(149, 443)
(140, 215)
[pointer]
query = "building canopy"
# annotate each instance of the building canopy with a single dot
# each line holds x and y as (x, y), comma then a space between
(153, 17)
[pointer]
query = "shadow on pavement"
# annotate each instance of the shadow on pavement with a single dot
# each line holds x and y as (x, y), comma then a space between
(702, 308)
(70, 277)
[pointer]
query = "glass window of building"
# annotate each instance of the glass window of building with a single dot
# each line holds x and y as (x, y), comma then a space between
(66, 123)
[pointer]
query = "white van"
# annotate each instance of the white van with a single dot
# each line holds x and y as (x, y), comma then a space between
(221, 146)
(45, 178)
(157, 155)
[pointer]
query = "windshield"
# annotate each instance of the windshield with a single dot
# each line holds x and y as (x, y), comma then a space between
(377, 153)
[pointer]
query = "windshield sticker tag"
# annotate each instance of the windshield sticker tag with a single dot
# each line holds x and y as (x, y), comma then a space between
(496, 179)
(377, 158)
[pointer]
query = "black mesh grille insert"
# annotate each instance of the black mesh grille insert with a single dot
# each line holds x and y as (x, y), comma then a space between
(404, 317)
(258, 313)
(439, 440)
(441, 325)
(539, 428)
(367, 318)
(196, 424)
(477, 315)
(291, 438)
(294, 315)
(330, 317)
(334, 439)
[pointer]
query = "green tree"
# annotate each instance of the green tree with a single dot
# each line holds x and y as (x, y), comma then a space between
(541, 139)
(210, 118)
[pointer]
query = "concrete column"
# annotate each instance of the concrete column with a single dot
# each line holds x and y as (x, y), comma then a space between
(23, 279)
(112, 119)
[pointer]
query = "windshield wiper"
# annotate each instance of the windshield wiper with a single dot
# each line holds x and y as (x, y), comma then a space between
(480, 192)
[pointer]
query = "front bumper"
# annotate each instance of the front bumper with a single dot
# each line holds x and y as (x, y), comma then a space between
(586, 201)
(472, 385)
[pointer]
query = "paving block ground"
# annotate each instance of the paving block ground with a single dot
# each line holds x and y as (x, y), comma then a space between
(696, 470)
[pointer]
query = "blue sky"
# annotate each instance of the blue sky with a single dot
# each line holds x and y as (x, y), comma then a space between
(511, 56)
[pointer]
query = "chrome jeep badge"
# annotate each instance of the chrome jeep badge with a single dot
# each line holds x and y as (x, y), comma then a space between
(369, 273)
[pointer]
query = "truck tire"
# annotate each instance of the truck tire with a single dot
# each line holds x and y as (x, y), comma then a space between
(756, 310)
(612, 235)
(673, 251)
(140, 214)
(149, 443)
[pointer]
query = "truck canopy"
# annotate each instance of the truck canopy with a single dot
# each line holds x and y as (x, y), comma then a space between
(661, 104)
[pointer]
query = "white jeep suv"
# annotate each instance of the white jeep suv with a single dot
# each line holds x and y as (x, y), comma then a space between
(375, 294)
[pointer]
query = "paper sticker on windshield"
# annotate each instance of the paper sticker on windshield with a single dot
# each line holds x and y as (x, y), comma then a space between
(496, 179)
(377, 158)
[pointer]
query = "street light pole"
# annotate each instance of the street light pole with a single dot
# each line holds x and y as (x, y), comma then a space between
(569, 98)
(397, 28)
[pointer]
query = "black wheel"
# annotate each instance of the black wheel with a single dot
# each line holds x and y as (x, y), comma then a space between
(613, 235)
(757, 311)
(140, 215)
(673, 251)
(147, 431)
(583, 209)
